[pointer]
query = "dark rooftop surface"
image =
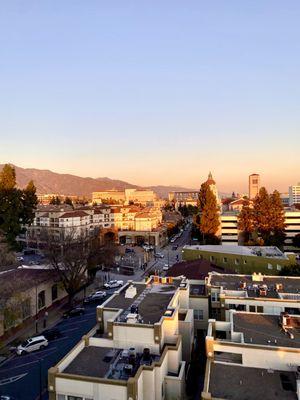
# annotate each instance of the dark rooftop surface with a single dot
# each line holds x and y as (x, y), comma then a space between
(152, 301)
(106, 362)
(243, 383)
(91, 362)
(264, 329)
(235, 282)
(195, 269)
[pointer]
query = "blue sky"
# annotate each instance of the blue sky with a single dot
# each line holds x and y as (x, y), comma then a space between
(153, 92)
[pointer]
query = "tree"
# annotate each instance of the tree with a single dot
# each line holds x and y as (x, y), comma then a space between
(7, 177)
(16, 206)
(262, 218)
(55, 200)
(203, 195)
(277, 220)
(209, 217)
(30, 203)
(7, 257)
(296, 240)
(246, 221)
(69, 201)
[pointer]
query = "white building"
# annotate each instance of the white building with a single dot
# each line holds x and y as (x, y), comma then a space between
(294, 194)
(254, 186)
(139, 348)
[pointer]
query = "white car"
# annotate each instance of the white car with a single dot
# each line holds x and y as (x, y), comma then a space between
(113, 284)
(32, 344)
(159, 255)
(166, 267)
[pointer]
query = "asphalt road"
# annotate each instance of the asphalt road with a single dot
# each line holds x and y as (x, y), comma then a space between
(25, 377)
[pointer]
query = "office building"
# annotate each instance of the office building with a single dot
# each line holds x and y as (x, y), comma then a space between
(294, 194)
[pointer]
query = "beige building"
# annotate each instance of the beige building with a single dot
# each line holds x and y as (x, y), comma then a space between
(253, 356)
(254, 185)
(143, 197)
(26, 293)
(252, 293)
(138, 350)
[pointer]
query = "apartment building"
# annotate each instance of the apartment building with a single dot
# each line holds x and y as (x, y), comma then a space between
(138, 349)
(241, 259)
(252, 293)
(294, 194)
(292, 226)
(253, 356)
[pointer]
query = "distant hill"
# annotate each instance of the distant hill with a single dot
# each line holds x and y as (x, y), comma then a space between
(51, 182)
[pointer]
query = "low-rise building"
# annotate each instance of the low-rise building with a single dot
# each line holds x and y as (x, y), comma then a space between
(138, 350)
(253, 356)
(241, 259)
(252, 293)
(294, 194)
(144, 197)
(26, 293)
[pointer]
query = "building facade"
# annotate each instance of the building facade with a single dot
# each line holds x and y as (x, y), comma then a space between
(294, 194)
(254, 186)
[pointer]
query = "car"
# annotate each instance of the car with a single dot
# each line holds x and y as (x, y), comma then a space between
(6, 397)
(173, 239)
(100, 295)
(51, 334)
(166, 267)
(159, 255)
(175, 247)
(113, 284)
(32, 344)
(129, 251)
(74, 312)
(20, 258)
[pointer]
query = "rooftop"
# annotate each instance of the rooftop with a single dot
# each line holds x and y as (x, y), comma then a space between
(196, 269)
(276, 286)
(265, 329)
(255, 251)
(150, 301)
(109, 363)
(237, 382)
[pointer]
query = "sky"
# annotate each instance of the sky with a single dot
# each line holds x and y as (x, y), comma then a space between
(153, 92)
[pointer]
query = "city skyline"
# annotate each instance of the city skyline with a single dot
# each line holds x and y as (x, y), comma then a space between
(119, 91)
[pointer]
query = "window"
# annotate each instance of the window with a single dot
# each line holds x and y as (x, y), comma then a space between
(260, 309)
(245, 261)
(61, 397)
(215, 296)
(54, 292)
(225, 259)
(212, 258)
(270, 266)
(237, 261)
(252, 308)
(278, 267)
(198, 315)
(75, 398)
(41, 299)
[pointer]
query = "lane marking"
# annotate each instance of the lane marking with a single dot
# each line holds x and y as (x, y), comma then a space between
(7, 381)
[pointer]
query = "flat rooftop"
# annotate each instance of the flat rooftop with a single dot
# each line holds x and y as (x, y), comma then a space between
(255, 251)
(290, 284)
(108, 363)
(265, 330)
(152, 301)
(243, 383)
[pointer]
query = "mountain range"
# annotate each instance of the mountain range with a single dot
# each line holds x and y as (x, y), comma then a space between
(47, 181)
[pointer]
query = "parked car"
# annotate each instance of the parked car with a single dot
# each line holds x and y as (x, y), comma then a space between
(175, 247)
(51, 334)
(166, 267)
(173, 239)
(159, 255)
(113, 284)
(74, 312)
(128, 251)
(32, 344)
(93, 298)
(19, 258)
